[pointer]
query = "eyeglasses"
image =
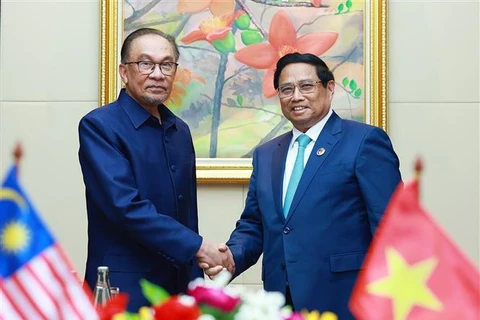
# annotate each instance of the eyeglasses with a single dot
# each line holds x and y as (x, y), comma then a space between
(306, 86)
(147, 67)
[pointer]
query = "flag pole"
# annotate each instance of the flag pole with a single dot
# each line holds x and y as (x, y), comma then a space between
(418, 168)
(17, 156)
(417, 174)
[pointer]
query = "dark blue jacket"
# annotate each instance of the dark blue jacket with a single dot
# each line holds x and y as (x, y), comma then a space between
(141, 197)
(340, 199)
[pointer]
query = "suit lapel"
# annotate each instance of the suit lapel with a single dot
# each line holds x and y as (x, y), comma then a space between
(279, 157)
(327, 140)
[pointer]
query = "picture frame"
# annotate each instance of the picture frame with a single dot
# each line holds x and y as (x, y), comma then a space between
(237, 170)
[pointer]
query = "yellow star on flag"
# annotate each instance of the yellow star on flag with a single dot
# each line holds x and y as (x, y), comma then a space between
(406, 285)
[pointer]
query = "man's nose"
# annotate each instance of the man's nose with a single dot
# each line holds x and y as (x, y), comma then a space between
(157, 72)
(297, 94)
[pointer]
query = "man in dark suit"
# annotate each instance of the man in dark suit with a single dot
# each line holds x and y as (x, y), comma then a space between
(314, 202)
(138, 165)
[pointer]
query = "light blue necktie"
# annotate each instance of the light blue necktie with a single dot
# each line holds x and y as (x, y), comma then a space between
(303, 141)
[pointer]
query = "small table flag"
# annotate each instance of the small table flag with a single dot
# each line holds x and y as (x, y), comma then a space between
(413, 270)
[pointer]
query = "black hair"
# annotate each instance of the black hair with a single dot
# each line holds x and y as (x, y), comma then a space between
(142, 32)
(323, 72)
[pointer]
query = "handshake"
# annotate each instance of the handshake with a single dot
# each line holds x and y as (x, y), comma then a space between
(214, 258)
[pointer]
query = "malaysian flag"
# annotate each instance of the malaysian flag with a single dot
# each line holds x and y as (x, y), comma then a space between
(36, 281)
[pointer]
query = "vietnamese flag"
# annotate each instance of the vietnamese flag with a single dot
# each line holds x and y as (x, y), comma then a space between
(413, 270)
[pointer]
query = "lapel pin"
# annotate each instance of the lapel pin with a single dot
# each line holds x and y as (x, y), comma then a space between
(320, 152)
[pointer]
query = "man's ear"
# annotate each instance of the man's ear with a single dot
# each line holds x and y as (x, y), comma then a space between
(122, 70)
(331, 88)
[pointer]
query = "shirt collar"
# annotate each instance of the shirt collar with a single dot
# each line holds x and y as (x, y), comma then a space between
(314, 131)
(138, 115)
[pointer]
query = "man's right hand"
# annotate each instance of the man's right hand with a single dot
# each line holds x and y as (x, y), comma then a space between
(214, 258)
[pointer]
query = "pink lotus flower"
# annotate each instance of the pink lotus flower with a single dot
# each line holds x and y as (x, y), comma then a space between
(282, 40)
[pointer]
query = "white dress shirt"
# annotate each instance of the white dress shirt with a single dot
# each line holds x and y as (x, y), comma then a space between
(313, 133)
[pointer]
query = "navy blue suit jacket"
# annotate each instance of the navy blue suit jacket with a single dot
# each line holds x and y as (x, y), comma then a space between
(141, 197)
(319, 248)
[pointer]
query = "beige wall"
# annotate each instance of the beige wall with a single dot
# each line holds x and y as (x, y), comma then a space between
(48, 80)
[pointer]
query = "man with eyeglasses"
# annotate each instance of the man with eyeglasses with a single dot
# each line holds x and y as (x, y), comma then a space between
(138, 165)
(316, 194)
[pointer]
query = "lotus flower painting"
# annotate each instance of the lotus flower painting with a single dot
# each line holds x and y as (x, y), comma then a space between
(229, 48)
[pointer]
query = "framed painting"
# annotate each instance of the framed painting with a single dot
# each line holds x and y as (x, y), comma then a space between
(223, 87)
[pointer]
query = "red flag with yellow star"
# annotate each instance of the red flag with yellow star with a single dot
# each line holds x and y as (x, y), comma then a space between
(413, 270)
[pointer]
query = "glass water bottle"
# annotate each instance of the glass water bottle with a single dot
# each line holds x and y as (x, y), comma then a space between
(102, 292)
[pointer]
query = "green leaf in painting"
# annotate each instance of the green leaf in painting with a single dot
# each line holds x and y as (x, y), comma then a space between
(231, 102)
(340, 8)
(251, 37)
(153, 293)
(358, 93)
(353, 85)
(345, 81)
(240, 100)
(243, 22)
(349, 4)
(226, 45)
